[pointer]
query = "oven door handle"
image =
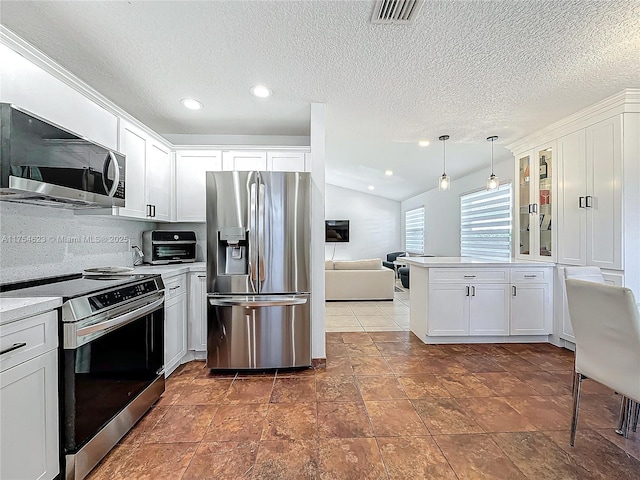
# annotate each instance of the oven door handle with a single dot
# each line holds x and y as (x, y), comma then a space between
(120, 320)
(256, 302)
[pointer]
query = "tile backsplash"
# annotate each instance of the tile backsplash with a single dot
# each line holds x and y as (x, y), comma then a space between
(38, 241)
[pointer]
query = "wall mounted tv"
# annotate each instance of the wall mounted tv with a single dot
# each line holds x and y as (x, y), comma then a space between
(336, 230)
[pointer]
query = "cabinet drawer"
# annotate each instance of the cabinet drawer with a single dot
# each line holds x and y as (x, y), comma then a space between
(475, 275)
(175, 286)
(38, 333)
(531, 275)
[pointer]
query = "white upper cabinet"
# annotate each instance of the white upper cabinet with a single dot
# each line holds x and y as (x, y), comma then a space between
(244, 160)
(191, 168)
(572, 215)
(158, 180)
(590, 204)
(148, 175)
(133, 144)
(287, 162)
(536, 203)
(272, 160)
(29, 87)
(603, 201)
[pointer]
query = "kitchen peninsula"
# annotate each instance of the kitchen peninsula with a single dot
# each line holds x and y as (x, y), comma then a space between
(473, 300)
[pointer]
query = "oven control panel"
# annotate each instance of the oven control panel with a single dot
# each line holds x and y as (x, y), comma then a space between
(121, 295)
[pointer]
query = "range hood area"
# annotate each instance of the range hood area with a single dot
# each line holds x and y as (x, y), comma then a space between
(43, 164)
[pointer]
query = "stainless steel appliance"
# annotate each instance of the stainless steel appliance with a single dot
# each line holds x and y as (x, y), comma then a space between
(111, 362)
(44, 164)
(161, 247)
(258, 270)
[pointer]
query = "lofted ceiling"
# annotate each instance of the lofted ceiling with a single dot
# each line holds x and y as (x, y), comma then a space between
(468, 69)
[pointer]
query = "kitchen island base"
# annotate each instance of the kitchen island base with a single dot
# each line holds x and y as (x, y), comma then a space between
(467, 300)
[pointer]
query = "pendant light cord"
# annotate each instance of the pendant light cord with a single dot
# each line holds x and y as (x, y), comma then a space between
(443, 139)
(444, 156)
(492, 139)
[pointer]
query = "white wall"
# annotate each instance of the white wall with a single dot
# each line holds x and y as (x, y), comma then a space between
(37, 241)
(442, 209)
(318, 187)
(375, 227)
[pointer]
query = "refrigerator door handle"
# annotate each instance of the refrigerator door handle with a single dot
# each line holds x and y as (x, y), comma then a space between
(261, 227)
(253, 263)
(257, 301)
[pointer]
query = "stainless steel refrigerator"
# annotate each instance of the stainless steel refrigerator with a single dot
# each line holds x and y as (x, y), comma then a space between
(258, 270)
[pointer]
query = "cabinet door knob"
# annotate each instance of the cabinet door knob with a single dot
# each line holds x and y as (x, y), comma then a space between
(467, 290)
(581, 202)
(514, 290)
(473, 291)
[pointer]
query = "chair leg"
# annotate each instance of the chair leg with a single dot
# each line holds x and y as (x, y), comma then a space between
(622, 419)
(577, 387)
(629, 415)
(636, 414)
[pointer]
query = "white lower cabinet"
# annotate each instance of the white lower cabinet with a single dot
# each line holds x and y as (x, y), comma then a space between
(468, 309)
(495, 303)
(29, 399)
(448, 310)
(198, 312)
(175, 322)
(531, 309)
(489, 309)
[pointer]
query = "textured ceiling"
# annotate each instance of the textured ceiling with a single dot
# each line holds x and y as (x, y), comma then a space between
(469, 69)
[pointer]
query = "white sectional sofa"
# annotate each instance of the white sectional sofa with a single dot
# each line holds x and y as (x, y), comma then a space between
(358, 280)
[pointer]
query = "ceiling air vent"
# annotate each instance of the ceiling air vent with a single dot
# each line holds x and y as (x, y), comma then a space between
(396, 11)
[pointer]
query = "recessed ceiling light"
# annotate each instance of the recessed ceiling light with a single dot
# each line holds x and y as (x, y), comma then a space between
(260, 91)
(388, 173)
(423, 143)
(191, 103)
(371, 187)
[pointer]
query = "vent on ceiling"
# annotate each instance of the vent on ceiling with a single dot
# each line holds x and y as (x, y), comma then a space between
(396, 11)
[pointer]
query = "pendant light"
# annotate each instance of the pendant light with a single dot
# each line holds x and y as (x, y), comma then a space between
(445, 182)
(493, 181)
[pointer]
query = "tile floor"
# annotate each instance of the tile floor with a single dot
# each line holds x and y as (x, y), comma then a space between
(386, 407)
(368, 316)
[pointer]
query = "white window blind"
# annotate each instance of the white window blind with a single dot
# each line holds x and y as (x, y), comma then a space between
(485, 223)
(414, 230)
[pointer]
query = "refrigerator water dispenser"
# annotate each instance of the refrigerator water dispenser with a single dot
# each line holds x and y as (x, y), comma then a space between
(236, 260)
(233, 241)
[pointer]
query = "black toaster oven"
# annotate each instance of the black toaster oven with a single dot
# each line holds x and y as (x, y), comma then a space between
(161, 247)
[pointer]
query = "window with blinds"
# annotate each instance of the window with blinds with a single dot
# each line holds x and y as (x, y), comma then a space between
(485, 223)
(414, 230)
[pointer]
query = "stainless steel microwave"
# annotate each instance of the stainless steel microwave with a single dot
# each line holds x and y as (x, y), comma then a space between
(45, 164)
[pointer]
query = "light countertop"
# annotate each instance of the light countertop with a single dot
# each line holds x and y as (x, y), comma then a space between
(172, 270)
(449, 262)
(12, 309)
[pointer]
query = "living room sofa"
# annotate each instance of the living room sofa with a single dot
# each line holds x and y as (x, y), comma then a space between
(358, 280)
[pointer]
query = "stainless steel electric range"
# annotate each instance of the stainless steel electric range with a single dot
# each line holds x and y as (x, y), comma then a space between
(111, 358)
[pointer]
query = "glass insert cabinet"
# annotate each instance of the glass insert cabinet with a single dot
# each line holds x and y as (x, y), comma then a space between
(536, 203)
